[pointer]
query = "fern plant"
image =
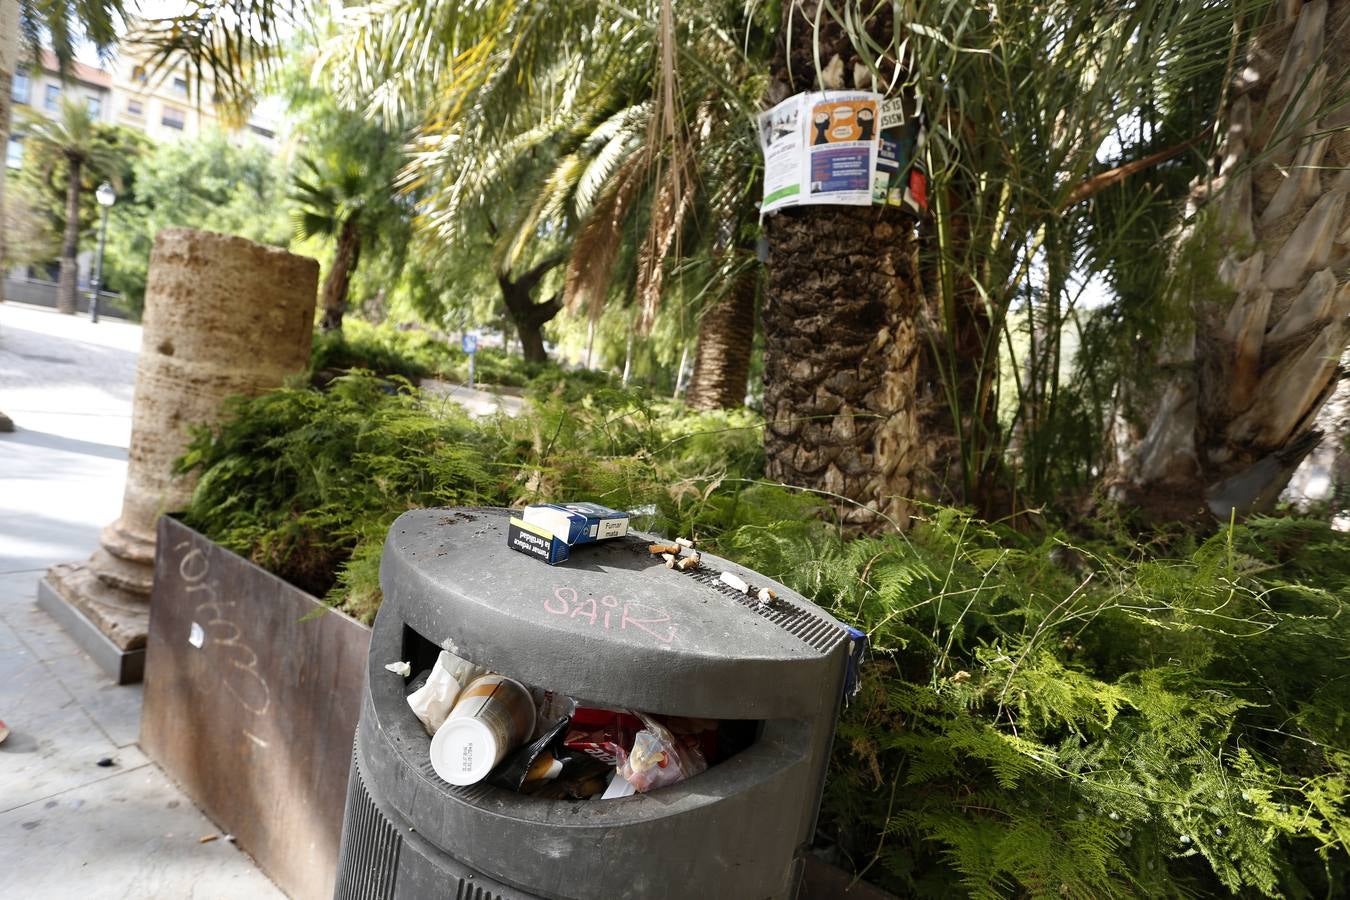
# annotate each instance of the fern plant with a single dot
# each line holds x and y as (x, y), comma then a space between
(1117, 726)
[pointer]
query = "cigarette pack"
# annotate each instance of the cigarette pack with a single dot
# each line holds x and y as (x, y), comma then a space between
(578, 523)
(537, 541)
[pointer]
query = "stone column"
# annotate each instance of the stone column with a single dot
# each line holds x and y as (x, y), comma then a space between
(223, 316)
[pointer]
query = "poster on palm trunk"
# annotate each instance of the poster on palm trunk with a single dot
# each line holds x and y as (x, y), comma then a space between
(850, 148)
(780, 138)
(898, 178)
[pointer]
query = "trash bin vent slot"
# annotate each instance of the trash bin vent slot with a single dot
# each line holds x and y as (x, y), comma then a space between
(470, 891)
(817, 633)
(370, 848)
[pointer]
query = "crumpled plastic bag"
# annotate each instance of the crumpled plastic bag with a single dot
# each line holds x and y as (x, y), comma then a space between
(658, 758)
(431, 703)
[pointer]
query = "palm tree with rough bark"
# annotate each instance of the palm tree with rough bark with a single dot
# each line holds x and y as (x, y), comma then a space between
(23, 26)
(888, 342)
(841, 310)
(1263, 271)
(71, 139)
(330, 201)
(726, 333)
(9, 58)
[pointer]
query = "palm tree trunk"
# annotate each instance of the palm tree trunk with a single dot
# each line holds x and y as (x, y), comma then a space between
(725, 336)
(345, 260)
(841, 342)
(841, 360)
(67, 288)
(9, 50)
(1238, 415)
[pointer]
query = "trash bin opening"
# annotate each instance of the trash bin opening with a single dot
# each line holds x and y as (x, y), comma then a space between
(540, 741)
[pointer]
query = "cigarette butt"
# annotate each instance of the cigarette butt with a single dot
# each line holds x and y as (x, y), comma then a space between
(734, 581)
(689, 562)
(670, 560)
(684, 542)
(663, 548)
(208, 838)
(765, 595)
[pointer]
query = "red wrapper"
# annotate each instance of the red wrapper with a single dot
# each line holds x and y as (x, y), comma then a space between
(602, 733)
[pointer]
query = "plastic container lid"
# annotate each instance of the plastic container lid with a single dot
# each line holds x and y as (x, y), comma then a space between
(464, 750)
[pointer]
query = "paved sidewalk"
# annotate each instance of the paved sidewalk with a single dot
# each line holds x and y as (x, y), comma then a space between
(68, 826)
(476, 402)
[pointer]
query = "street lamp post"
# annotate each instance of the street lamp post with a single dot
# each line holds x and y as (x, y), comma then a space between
(106, 197)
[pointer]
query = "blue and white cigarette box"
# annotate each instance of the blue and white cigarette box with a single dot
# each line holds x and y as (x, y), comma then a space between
(578, 523)
(536, 541)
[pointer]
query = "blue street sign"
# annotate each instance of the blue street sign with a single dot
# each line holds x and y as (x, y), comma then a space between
(469, 343)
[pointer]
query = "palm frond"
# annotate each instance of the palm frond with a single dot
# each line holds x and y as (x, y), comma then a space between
(590, 269)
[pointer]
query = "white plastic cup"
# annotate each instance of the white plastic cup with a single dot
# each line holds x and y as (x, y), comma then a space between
(492, 717)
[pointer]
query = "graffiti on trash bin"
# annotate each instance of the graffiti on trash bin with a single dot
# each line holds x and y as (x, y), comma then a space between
(250, 688)
(612, 614)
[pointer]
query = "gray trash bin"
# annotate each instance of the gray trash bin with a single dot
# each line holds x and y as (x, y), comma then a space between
(615, 628)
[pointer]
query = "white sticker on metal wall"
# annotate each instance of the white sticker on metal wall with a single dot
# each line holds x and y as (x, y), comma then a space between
(196, 636)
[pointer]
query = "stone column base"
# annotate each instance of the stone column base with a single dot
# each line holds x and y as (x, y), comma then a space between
(108, 621)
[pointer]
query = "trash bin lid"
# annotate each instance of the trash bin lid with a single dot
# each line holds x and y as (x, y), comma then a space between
(612, 626)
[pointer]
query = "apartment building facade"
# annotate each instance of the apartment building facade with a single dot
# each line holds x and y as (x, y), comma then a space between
(166, 105)
(41, 88)
(162, 104)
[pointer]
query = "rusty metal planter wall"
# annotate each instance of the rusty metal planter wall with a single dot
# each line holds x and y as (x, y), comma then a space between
(252, 694)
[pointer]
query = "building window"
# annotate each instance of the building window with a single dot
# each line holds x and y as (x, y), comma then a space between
(180, 86)
(14, 152)
(52, 101)
(134, 108)
(138, 75)
(21, 86)
(94, 105)
(173, 117)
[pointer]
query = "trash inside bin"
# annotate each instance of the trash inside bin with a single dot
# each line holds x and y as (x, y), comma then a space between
(679, 729)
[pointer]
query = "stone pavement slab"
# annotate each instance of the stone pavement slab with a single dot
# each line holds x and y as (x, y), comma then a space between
(131, 834)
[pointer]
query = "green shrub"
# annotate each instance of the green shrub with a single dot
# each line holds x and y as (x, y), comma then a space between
(413, 353)
(299, 479)
(383, 349)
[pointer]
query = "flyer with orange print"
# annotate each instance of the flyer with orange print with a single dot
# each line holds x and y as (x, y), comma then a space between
(820, 148)
(843, 147)
(847, 148)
